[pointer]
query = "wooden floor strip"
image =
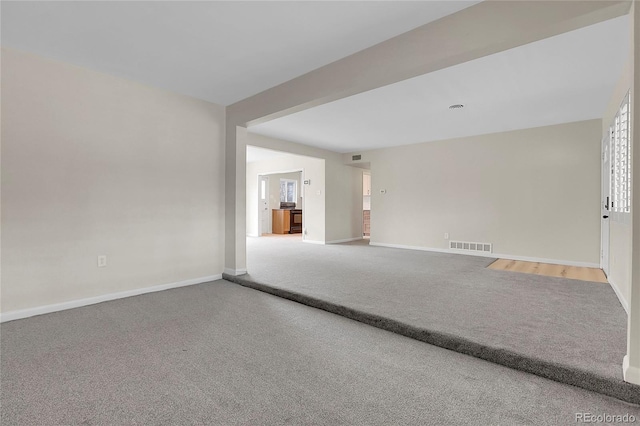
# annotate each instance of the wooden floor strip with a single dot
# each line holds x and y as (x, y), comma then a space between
(550, 270)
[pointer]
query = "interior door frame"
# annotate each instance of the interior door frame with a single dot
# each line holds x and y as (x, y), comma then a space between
(366, 172)
(300, 194)
(605, 203)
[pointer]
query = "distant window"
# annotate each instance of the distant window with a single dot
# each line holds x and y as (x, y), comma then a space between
(263, 189)
(288, 191)
(620, 142)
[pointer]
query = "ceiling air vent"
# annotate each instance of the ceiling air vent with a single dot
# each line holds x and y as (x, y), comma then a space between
(469, 246)
(356, 157)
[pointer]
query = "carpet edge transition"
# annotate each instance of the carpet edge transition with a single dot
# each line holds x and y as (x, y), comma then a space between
(550, 370)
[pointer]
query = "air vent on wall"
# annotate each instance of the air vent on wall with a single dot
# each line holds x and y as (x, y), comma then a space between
(356, 157)
(469, 246)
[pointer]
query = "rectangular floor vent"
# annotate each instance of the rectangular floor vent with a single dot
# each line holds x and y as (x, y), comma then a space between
(469, 246)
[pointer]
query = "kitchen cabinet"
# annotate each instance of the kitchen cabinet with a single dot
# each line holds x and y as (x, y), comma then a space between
(286, 221)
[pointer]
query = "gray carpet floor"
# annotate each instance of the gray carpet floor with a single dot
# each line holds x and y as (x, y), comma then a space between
(568, 323)
(222, 354)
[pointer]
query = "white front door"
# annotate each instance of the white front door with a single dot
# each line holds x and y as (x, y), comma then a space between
(264, 221)
(605, 205)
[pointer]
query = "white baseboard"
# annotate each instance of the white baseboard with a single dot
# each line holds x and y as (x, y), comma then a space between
(313, 242)
(629, 373)
(618, 293)
(346, 240)
(401, 246)
(492, 255)
(46, 309)
(235, 272)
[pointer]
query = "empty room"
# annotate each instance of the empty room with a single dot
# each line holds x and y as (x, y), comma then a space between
(352, 212)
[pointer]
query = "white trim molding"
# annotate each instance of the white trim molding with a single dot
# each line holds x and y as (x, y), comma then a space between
(346, 240)
(235, 272)
(491, 255)
(618, 293)
(629, 373)
(46, 309)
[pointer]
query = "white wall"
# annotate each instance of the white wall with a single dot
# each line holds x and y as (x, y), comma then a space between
(93, 164)
(631, 361)
(340, 186)
(532, 193)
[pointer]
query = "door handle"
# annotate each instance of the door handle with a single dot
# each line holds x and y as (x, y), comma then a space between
(605, 217)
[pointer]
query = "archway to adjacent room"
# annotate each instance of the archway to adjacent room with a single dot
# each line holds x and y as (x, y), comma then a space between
(284, 195)
(280, 203)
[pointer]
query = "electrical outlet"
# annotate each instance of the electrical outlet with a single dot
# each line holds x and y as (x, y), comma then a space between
(102, 261)
(446, 235)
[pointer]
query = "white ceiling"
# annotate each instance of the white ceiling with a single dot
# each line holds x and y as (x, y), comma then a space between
(220, 51)
(561, 79)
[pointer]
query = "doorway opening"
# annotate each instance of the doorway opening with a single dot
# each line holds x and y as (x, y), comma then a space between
(366, 204)
(284, 195)
(280, 204)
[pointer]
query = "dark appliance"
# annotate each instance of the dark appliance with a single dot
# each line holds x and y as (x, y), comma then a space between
(295, 217)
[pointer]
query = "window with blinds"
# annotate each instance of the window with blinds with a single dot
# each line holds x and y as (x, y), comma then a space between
(620, 146)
